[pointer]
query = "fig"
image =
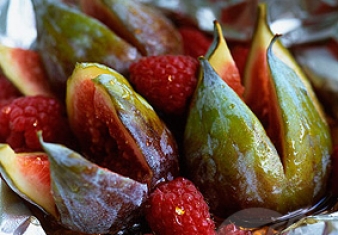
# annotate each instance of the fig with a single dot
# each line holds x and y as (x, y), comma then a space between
(256, 69)
(78, 194)
(89, 198)
(24, 68)
(27, 174)
(117, 128)
(141, 25)
(66, 36)
(221, 60)
(236, 163)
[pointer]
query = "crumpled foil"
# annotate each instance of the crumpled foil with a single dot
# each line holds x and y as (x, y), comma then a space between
(15, 217)
(300, 22)
(321, 224)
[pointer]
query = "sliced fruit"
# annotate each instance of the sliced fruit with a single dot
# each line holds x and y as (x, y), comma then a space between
(25, 70)
(117, 128)
(67, 36)
(221, 60)
(236, 164)
(28, 175)
(141, 25)
(91, 199)
(256, 71)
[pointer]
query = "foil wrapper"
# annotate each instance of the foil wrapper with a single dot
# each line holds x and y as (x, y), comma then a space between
(300, 22)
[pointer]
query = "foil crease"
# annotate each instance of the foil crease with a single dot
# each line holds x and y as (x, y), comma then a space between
(299, 21)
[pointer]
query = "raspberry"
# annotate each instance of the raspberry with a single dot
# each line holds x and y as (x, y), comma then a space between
(195, 42)
(166, 81)
(177, 207)
(24, 116)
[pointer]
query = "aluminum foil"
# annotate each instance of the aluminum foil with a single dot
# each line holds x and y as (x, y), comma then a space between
(17, 23)
(15, 217)
(299, 21)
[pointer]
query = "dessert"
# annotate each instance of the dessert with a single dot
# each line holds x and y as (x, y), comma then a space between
(237, 149)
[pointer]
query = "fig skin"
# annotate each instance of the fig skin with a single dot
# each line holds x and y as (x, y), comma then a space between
(67, 36)
(117, 128)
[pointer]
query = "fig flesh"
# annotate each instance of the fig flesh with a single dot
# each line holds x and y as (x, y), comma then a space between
(27, 174)
(141, 25)
(236, 164)
(25, 70)
(220, 58)
(117, 128)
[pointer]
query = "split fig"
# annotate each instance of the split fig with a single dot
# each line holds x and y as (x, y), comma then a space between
(239, 160)
(66, 36)
(117, 128)
(91, 199)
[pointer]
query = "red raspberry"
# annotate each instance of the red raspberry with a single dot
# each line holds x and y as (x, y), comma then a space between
(195, 42)
(177, 207)
(166, 81)
(24, 116)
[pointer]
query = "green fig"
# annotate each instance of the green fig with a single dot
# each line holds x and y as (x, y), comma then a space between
(67, 36)
(117, 128)
(236, 164)
(141, 25)
(91, 199)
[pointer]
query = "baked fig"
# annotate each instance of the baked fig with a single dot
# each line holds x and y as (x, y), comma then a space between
(117, 128)
(66, 36)
(78, 194)
(143, 26)
(238, 162)
(91, 199)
